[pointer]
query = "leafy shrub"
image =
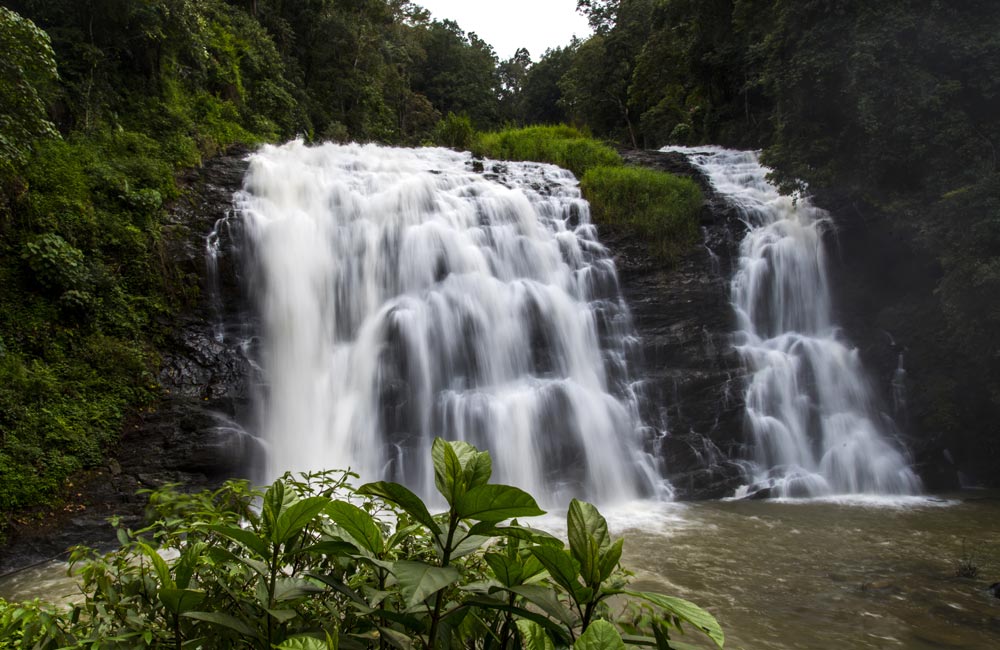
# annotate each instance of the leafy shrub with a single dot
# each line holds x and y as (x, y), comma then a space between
(455, 131)
(56, 264)
(560, 145)
(323, 565)
(662, 207)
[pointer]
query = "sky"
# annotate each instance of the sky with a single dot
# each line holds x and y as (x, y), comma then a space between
(510, 24)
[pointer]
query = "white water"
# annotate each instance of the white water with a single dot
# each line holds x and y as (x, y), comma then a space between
(809, 408)
(403, 296)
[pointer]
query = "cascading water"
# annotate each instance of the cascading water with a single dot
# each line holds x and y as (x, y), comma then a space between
(403, 296)
(815, 428)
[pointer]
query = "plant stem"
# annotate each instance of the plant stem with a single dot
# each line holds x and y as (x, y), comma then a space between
(439, 600)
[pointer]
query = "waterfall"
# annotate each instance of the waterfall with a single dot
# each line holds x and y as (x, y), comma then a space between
(403, 296)
(809, 408)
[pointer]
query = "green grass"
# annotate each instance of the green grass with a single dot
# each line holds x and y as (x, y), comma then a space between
(661, 207)
(561, 145)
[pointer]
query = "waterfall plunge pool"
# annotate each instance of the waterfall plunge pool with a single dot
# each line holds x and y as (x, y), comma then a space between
(811, 574)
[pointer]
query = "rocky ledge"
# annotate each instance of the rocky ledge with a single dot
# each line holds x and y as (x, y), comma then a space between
(693, 376)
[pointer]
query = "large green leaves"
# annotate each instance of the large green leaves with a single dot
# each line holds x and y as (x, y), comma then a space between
(459, 467)
(418, 580)
(495, 503)
(401, 496)
(507, 569)
(357, 523)
(686, 611)
(296, 517)
(588, 539)
(600, 635)
(223, 620)
(247, 538)
(533, 636)
(561, 566)
(179, 601)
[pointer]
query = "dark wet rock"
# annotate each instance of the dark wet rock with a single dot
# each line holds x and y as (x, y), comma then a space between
(694, 378)
(995, 589)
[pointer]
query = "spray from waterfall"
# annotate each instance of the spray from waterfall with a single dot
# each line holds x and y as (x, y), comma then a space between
(403, 296)
(815, 427)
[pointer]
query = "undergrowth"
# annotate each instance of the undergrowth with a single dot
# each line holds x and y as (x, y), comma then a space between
(313, 563)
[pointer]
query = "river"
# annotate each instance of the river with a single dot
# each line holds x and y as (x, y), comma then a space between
(780, 576)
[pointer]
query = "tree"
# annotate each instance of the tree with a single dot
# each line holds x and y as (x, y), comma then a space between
(513, 72)
(27, 72)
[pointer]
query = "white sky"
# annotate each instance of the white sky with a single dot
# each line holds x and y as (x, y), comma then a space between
(510, 24)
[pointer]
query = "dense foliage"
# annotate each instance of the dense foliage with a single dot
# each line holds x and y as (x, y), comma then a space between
(321, 565)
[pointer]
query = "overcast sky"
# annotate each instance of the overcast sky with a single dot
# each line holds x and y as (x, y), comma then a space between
(510, 24)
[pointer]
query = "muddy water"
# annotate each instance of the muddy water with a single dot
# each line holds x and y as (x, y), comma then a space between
(827, 575)
(810, 575)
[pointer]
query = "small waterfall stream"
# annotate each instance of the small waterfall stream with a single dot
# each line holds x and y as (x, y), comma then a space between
(815, 428)
(403, 296)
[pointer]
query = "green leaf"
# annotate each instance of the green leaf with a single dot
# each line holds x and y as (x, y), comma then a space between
(185, 566)
(275, 500)
(296, 517)
(395, 638)
(554, 628)
(222, 556)
(561, 566)
(496, 503)
(159, 565)
(610, 558)
(418, 580)
(402, 497)
(335, 583)
(600, 635)
(400, 535)
(331, 549)
(469, 544)
(303, 643)
(523, 533)
(224, 620)
(686, 611)
(588, 537)
(282, 615)
(357, 523)
(478, 470)
(533, 637)
(507, 570)
(179, 601)
(449, 475)
(246, 538)
(546, 600)
(286, 588)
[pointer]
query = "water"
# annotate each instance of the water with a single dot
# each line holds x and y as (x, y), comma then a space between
(815, 427)
(818, 575)
(803, 575)
(404, 296)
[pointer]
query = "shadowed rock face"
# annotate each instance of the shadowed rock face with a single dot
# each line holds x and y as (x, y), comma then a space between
(683, 317)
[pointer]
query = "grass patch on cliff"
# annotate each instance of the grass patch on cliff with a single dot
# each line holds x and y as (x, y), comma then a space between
(661, 207)
(560, 145)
